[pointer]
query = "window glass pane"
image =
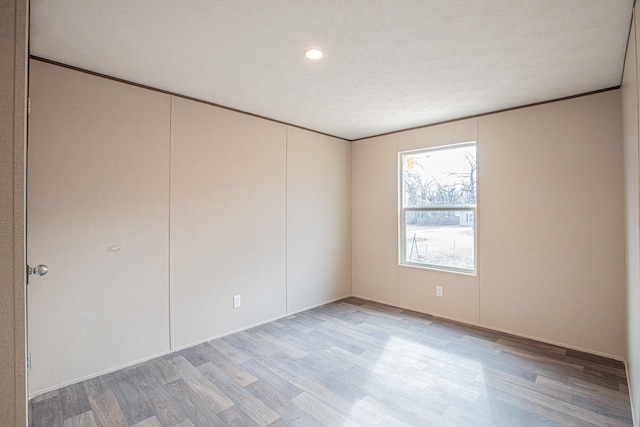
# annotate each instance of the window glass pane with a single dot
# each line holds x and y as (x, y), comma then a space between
(440, 238)
(440, 177)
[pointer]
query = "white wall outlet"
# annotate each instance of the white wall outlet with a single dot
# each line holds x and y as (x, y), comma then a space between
(439, 292)
(236, 301)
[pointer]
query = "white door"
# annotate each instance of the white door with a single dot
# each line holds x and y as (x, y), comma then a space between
(98, 217)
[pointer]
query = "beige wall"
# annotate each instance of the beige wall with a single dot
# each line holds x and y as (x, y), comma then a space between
(205, 204)
(228, 203)
(318, 233)
(98, 178)
(551, 245)
(374, 216)
(555, 168)
(631, 142)
(13, 80)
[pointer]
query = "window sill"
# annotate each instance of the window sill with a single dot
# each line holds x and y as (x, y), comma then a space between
(440, 269)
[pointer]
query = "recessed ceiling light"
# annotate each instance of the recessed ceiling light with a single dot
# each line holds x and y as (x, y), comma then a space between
(313, 53)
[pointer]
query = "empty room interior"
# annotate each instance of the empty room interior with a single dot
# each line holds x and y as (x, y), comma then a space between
(318, 213)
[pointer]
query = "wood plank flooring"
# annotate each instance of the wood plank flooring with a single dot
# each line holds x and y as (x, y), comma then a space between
(352, 363)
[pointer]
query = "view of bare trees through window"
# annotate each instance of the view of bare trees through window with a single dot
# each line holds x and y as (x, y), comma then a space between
(439, 199)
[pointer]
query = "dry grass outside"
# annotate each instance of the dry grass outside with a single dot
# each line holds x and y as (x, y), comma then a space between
(447, 246)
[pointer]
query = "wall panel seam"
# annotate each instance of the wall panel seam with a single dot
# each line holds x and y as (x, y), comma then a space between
(170, 230)
(478, 215)
(350, 221)
(286, 220)
(398, 196)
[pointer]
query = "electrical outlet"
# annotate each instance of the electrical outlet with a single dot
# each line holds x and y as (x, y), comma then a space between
(439, 292)
(236, 301)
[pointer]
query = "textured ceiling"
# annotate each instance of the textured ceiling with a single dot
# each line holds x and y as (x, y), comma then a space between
(388, 65)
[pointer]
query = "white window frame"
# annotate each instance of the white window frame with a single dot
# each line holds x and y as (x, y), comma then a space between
(402, 246)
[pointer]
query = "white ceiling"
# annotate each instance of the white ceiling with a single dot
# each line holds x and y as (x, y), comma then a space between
(388, 65)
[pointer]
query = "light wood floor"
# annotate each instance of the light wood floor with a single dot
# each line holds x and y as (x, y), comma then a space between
(352, 363)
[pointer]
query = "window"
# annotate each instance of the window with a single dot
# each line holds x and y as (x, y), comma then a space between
(438, 208)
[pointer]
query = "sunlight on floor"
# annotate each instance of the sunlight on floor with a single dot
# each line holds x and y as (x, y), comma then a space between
(421, 378)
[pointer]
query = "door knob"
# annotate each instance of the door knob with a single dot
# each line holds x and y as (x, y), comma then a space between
(38, 270)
